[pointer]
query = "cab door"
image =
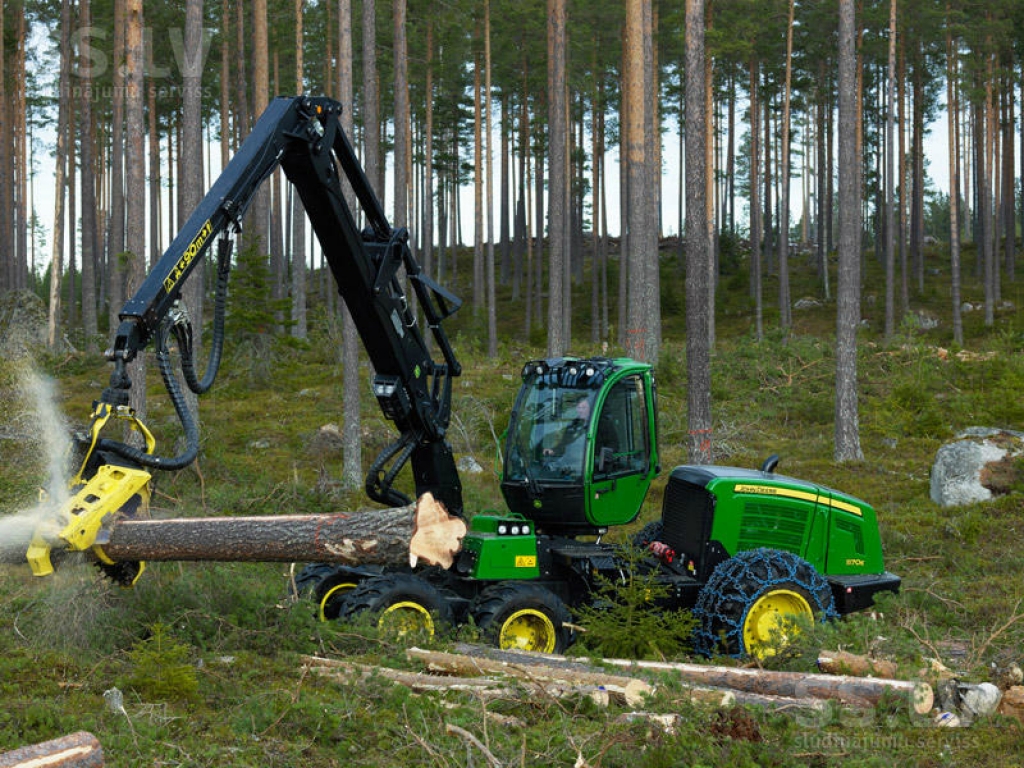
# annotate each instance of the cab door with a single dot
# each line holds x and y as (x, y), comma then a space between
(621, 452)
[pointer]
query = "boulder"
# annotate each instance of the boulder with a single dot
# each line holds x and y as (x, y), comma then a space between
(807, 303)
(975, 466)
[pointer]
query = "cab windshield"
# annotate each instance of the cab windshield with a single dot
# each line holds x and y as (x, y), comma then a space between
(548, 433)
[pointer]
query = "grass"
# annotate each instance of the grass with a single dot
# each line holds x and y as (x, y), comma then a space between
(244, 700)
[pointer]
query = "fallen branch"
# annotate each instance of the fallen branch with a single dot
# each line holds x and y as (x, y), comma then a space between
(462, 733)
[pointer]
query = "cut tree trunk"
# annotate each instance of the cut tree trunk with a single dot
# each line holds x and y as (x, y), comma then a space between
(845, 663)
(854, 691)
(76, 750)
(397, 536)
(630, 689)
(862, 692)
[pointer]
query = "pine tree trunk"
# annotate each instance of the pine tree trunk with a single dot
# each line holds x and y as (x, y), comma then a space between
(504, 205)
(352, 444)
(88, 189)
(847, 430)
(371, 99)
(890, 171)
(192, 185)
(135, 197)
(1009, 188)
(492, 310)
(558, 143)
(953, 123)
(115, 230)
(698, 251)
(755, 201)
(298, 247)
(642, 333)
(60, 163)
(258, 219)
(225, 84)
(785, 305)
(478, 188)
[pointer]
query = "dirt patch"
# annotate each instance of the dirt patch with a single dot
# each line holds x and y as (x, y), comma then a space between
(1004, 476)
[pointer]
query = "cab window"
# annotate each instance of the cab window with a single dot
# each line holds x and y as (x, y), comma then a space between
(622, 440)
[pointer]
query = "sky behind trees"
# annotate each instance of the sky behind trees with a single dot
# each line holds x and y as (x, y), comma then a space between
(45, 43)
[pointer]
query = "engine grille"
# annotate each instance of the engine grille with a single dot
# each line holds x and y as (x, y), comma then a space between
(687, 515)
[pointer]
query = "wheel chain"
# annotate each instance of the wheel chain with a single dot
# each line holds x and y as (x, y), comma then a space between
(725, 599)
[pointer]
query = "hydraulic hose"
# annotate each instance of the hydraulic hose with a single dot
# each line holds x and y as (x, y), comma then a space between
(188, 424)
(380, 485)
(183, 330)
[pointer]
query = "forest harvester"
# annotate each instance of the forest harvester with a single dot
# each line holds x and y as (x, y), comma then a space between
(747, 550)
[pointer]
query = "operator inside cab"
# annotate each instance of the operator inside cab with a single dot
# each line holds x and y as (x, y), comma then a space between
(562, 442)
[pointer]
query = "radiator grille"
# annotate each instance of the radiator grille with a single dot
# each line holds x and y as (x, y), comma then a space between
(687, 515)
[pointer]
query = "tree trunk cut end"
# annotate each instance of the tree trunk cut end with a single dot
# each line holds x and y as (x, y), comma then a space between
(436, 534)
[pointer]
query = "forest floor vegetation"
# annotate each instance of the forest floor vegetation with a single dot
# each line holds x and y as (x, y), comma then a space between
(208, 655)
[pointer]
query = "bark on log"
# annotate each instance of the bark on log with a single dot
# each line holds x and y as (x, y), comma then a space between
(76, 750)
(843, 663)
(397, 536)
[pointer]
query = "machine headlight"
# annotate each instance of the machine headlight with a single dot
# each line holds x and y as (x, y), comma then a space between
(502, 529)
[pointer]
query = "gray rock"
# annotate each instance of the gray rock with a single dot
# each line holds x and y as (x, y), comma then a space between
(979, 700)
(470, 465)
(956, 477)
(807, 303)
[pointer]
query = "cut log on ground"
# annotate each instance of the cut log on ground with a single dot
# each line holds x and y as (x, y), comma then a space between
(630, 689)
(844, 663)
(852, 691)
(354, 672)
(399, 536)
(487, 687)
(76, 750)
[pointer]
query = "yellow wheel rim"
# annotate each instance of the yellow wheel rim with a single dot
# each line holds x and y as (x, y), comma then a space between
(773, 621)
(405, 618)
(528, 630)
(336, 591)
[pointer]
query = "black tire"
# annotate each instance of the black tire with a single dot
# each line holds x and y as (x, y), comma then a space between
(653, 531)
(404, 604)
(522, 616)
(327, 586)
(741, 608)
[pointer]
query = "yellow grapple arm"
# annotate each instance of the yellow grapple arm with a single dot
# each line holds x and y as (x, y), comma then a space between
(96, 503)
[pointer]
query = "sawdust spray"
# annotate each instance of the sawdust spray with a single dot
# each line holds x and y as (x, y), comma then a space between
(40, 420)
